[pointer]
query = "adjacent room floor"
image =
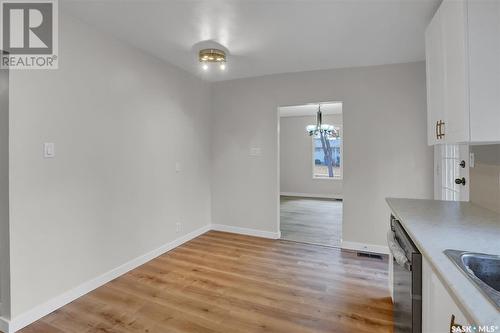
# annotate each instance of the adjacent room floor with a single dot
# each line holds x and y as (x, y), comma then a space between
(311, 220)
(221, 282)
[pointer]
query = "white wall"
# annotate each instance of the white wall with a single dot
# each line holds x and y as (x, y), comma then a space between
(487, 154)
(120, 119)
(296, 158)
(384, 114)
(485, 177)
(4, 193)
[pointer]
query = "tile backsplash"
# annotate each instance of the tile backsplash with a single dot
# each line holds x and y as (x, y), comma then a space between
(485, 177)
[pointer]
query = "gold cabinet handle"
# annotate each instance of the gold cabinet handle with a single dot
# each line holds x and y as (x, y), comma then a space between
(439, 129)
(454, 327)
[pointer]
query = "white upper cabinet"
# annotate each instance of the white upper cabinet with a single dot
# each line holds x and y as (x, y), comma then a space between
(435, 77)
(484, 70)
(463, 72)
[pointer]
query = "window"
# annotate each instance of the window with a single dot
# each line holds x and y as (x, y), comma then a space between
(327, 166)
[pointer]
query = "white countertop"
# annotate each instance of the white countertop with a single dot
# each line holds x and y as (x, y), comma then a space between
(438, 225)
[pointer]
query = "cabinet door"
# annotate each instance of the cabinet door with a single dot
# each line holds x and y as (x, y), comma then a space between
(437, 304)
(454, 55)
(484, 54)
(435, 77)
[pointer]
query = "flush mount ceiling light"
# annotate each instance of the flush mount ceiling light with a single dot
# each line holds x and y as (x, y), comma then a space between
(212, 56)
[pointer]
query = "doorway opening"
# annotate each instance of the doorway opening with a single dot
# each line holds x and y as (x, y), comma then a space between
(311, 173)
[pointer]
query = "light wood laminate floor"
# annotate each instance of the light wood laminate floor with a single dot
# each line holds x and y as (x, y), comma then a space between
(222, 282)
(311, 220)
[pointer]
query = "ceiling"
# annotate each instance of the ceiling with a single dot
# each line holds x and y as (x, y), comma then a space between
(310, 109)
(267, 36)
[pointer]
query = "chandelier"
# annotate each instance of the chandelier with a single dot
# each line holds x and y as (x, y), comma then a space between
(320, 128)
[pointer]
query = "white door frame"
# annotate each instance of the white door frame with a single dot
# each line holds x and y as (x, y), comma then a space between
(278, 121)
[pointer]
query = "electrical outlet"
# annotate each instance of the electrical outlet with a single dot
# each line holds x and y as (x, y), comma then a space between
(178, 227)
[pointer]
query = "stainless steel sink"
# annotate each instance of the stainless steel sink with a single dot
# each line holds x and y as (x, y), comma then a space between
(482, 269)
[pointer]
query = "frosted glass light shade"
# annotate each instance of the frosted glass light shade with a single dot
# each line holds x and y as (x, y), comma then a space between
(325, 128)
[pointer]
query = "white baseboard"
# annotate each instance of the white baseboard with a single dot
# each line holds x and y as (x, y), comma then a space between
(246, 231)
(23, 320)
(365, 247)
(310, 195)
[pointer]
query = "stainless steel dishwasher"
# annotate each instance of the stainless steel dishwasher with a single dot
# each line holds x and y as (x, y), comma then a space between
(407, 281)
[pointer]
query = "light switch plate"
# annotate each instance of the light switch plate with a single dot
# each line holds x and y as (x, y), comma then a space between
(178, 167)
(49, 150)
